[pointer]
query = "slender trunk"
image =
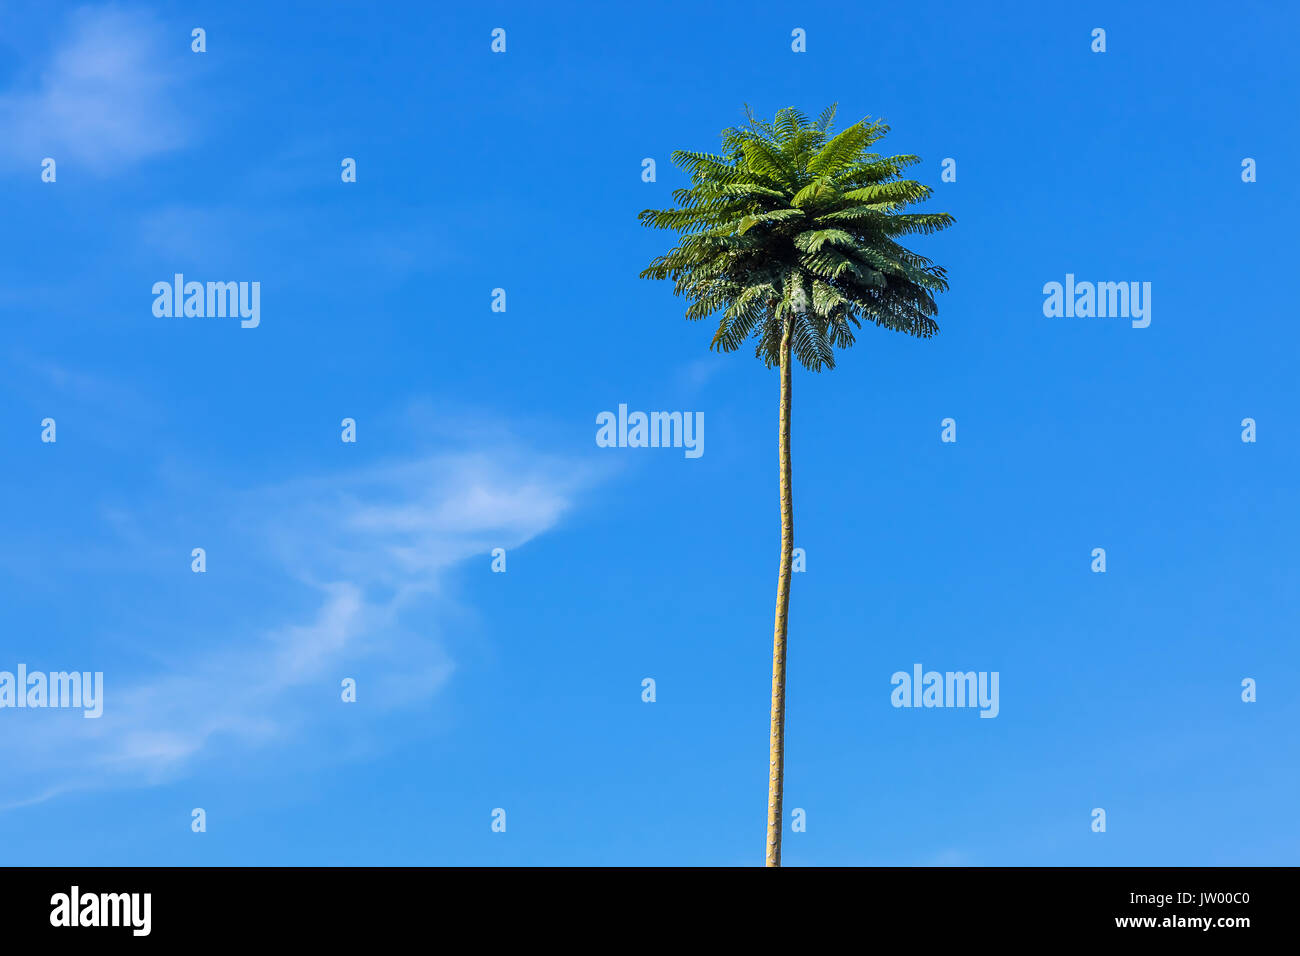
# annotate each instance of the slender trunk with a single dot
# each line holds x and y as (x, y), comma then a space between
(776, 747)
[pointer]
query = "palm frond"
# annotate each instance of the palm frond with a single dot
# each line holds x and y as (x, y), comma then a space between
(792, 223)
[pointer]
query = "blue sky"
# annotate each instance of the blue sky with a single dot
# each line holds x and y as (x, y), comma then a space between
(522, 690)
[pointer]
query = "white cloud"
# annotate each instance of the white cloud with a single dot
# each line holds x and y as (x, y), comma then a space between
(372, 547)
(697, 373)
(103, 99)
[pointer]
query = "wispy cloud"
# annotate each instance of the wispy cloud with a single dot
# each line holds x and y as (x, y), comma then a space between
(103, 98)
(698, 373)
(370, 550)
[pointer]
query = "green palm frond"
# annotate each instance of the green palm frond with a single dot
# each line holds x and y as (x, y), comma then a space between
(793, 223)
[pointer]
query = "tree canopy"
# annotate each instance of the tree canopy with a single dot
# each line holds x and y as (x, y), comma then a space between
(794, 223)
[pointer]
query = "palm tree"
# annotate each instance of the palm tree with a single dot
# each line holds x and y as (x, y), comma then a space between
(792, 233)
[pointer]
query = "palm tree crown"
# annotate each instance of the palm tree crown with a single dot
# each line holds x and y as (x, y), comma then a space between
(791, 224)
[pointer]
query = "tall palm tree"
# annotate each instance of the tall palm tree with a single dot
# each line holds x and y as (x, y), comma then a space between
(792, 233)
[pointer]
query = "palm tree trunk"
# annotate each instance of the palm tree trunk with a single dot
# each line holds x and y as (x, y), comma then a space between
(776, 746)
